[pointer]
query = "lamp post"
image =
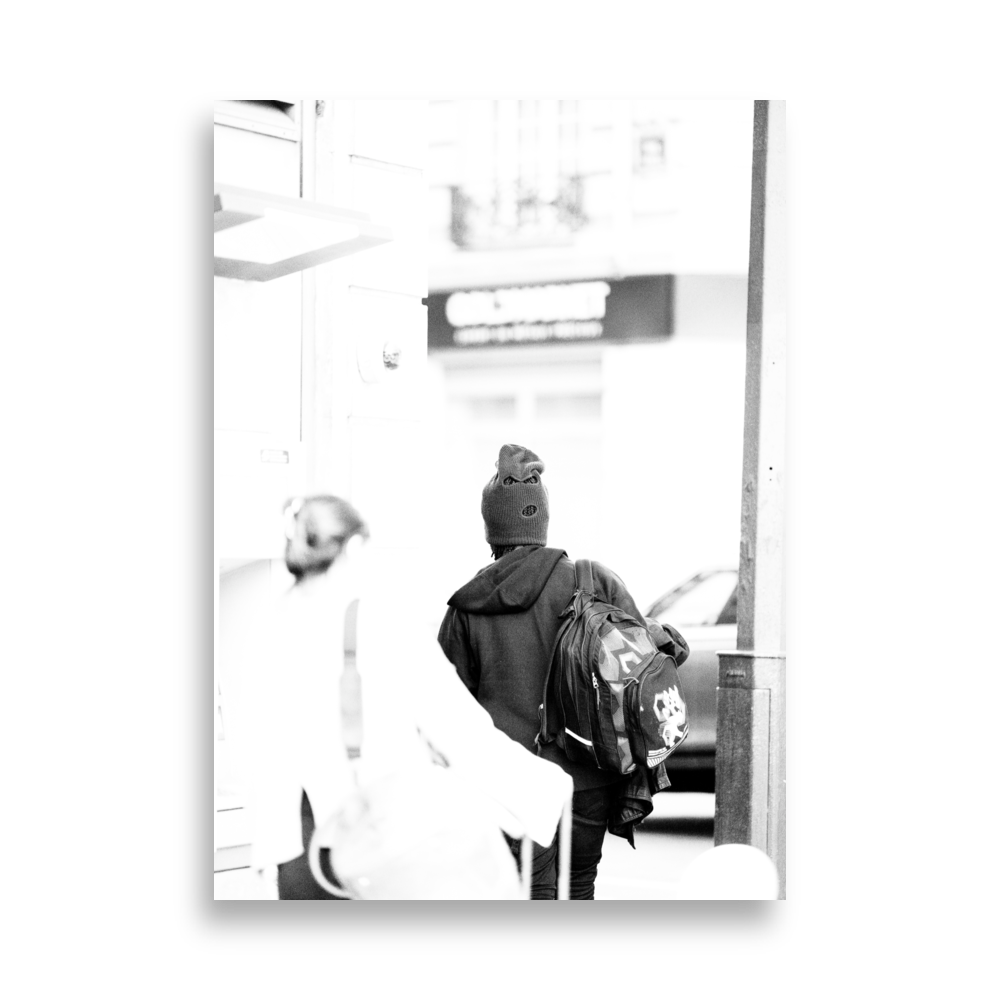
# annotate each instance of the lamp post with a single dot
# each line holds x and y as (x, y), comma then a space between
(750, 754)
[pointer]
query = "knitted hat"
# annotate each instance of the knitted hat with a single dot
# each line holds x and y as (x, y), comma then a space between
(515, 501)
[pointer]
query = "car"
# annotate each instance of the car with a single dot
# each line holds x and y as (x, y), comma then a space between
(703, 610)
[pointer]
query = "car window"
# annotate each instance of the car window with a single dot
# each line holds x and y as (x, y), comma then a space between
(708, 602)
(728, 615)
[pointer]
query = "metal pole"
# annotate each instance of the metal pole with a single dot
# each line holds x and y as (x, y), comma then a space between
(565, 849)
(750, 751)
(527, 850)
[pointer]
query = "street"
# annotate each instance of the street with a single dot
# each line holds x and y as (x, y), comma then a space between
(677, 831)
(510, 270)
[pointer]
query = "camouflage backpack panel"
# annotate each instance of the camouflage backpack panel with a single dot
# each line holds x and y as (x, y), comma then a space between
(612, 698)
(649, 715)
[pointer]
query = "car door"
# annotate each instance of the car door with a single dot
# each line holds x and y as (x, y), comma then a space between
(703, 610)
(700, 679)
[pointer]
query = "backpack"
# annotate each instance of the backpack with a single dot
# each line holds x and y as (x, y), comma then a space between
(611, 697)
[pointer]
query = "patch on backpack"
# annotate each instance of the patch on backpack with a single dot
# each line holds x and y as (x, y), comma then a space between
(671, 714)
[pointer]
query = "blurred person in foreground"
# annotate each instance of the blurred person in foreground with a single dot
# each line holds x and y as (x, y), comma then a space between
(500, 631)
(298, 772)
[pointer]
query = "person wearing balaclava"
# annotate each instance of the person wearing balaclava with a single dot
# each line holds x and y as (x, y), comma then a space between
(499, 632)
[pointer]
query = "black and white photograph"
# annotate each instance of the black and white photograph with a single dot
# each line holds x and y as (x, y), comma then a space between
(499, 499)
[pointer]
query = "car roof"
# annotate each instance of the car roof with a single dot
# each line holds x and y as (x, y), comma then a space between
(689, 582)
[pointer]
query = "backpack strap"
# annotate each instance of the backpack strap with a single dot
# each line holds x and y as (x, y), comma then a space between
(583, 583)
(584, 576)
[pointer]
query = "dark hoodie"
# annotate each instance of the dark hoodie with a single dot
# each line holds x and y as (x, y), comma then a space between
(500, 630)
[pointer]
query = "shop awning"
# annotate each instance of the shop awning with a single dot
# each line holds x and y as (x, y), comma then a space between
(260, 236)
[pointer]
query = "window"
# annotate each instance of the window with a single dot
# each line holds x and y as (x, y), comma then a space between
(705, 601)
(524, 184)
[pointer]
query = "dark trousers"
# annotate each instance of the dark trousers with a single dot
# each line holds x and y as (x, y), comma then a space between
(591, 809)
(295, 879)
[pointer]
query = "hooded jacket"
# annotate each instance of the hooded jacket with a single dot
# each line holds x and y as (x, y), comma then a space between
(500, 632)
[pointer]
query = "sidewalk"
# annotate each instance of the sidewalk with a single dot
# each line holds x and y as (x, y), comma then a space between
(679, 829)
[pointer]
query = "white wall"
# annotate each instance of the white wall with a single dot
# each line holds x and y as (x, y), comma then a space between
(257, 363)
(672, 461)
(299, 368)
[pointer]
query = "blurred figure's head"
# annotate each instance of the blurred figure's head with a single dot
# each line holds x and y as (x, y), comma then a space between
(515, 503)
(318, 530)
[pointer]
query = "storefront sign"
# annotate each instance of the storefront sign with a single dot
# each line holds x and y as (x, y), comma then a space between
(614, 310)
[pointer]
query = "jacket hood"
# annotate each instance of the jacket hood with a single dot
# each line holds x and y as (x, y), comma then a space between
(512, 583)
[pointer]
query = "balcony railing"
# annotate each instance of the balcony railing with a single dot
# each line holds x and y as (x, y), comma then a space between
(516, 214)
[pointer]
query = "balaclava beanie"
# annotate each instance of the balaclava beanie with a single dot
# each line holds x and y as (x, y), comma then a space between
(515, 502)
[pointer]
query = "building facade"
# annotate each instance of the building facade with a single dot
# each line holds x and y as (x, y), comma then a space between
(588, 290)
(319, 372)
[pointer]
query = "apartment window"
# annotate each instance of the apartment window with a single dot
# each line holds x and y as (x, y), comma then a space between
(523, 184)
